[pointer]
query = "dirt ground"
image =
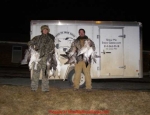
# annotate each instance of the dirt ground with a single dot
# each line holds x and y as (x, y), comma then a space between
(19, 100)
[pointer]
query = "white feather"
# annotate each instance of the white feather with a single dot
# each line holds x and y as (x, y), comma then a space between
(34, 58)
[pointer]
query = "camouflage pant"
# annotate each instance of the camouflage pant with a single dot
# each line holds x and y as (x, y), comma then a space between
(36, 74)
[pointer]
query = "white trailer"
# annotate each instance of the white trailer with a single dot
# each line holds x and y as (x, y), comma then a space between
(118, 43)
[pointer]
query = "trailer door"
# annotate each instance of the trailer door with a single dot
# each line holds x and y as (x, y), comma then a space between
(111, 43)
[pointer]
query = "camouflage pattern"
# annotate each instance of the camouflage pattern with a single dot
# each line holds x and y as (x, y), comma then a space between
(45, 27)
(78, 43)
(42, 44)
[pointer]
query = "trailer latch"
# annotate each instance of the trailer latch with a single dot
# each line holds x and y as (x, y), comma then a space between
(122, 36)
(108, 52)
(103, 52)
(123, 67)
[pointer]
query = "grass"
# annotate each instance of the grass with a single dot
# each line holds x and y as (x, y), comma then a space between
(19, 100)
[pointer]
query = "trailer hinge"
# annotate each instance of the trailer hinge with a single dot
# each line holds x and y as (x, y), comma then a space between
(123, 67)
(98, 36)
(123, 36)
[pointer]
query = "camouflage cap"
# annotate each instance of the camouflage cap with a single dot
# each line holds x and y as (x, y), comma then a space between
(45, 27)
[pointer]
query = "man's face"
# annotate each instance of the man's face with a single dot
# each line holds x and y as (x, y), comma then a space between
(81, 33)
(45, 31)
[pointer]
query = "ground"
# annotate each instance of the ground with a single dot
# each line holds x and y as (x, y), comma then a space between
(20, 100)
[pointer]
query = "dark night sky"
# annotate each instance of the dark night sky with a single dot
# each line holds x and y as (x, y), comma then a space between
(16, 16)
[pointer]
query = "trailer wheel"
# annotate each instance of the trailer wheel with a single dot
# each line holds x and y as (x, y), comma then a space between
(71, 77)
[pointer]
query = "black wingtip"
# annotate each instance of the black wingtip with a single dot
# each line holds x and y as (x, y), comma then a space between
(64, 55)
(67, 53)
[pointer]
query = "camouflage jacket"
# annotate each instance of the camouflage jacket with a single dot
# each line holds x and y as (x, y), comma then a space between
(78, 46)
(43, 44)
